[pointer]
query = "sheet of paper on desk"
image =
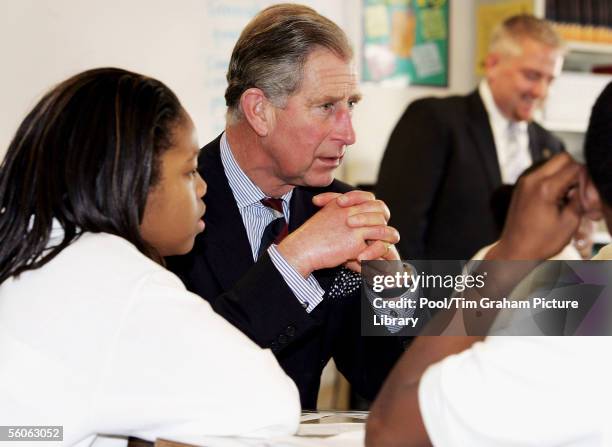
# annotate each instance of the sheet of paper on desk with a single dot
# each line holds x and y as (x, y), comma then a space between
(353, 438)
(314, 416)
(328, 429)
(317, 428)
(328, 417)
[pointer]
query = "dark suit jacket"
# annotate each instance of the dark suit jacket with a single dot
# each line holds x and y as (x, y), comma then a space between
(438, 173)
(255, 298)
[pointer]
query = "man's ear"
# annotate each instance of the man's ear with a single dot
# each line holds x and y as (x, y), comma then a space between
(491, 61)
(255, 107)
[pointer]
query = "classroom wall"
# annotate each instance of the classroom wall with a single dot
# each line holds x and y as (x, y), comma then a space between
(186, 44)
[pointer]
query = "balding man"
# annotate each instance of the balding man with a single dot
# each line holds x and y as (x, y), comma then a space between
(446, 156)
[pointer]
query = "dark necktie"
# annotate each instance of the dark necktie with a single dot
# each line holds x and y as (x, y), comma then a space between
(277, 229)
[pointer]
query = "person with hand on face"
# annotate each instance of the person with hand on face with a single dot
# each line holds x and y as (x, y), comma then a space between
(290, 96)
(99, 184)
(446, 156)
(505, 390)
(581, 245)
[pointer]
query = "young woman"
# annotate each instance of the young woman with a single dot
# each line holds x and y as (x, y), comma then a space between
(97, 186)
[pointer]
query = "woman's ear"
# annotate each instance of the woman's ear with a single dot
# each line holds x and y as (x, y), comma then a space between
(255, 107)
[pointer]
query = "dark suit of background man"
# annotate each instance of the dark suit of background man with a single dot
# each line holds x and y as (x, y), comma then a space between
(291, 91)
(446, 156)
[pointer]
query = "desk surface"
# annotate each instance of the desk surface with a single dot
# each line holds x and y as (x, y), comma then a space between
(321, 429)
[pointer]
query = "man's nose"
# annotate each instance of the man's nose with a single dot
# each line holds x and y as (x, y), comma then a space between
(345, 131)
(540, 88)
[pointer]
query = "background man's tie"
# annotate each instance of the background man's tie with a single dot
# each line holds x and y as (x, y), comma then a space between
(517, 158)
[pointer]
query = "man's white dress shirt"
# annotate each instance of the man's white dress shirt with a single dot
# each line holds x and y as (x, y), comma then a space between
(510, 137)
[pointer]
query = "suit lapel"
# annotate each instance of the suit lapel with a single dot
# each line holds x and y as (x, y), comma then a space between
(534, 144)
(537, 145)
(227, 250)
(300, 208)
(482, 135)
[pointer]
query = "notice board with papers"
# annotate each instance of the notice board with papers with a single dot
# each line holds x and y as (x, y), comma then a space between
(406, 42)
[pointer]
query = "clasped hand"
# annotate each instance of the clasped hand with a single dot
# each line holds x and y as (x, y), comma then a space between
(349, 228)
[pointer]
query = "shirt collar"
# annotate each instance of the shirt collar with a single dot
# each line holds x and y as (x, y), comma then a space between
(246, 193)
(498, 121)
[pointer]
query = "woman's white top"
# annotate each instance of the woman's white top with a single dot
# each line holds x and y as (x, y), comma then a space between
(102, 340)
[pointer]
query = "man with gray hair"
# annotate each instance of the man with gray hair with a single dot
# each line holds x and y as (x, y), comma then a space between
(279, 227)
(446, 156)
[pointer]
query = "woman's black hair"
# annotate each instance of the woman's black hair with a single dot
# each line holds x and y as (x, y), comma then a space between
(85, 156)
(598, 145)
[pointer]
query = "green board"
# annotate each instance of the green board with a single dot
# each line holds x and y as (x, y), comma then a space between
(405, 42)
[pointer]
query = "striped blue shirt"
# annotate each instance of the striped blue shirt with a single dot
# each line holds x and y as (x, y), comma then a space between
(256, 218)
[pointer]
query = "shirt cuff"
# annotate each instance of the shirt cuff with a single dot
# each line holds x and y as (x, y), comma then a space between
(308, 291)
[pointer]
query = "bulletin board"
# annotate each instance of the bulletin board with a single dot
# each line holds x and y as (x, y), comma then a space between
(405, 42)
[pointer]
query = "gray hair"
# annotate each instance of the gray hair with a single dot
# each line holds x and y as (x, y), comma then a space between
(507, 36)
(272, 49)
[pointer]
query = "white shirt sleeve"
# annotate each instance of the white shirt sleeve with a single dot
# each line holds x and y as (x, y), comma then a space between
(519, 391)
(178, 371)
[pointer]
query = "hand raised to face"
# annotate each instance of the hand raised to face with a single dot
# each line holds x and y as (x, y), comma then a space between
(545, 211)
